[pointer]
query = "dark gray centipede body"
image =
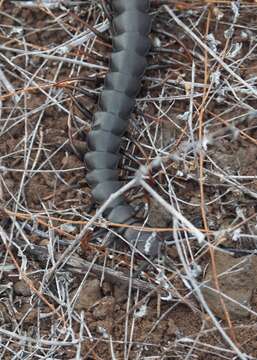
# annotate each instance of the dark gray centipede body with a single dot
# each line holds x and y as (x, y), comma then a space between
(131, 26)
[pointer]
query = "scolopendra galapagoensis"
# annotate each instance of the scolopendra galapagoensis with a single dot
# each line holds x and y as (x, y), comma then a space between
(131, 26)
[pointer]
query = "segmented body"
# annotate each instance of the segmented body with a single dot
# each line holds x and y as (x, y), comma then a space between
(131, 26)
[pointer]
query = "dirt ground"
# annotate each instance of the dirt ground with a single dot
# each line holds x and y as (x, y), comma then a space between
(64, 292)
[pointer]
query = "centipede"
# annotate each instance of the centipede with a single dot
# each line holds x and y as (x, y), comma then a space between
(131, 26)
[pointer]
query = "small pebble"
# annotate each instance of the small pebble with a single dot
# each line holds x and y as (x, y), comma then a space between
(104, 308)
(88, 296)
(238, 281)
(21, 288)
